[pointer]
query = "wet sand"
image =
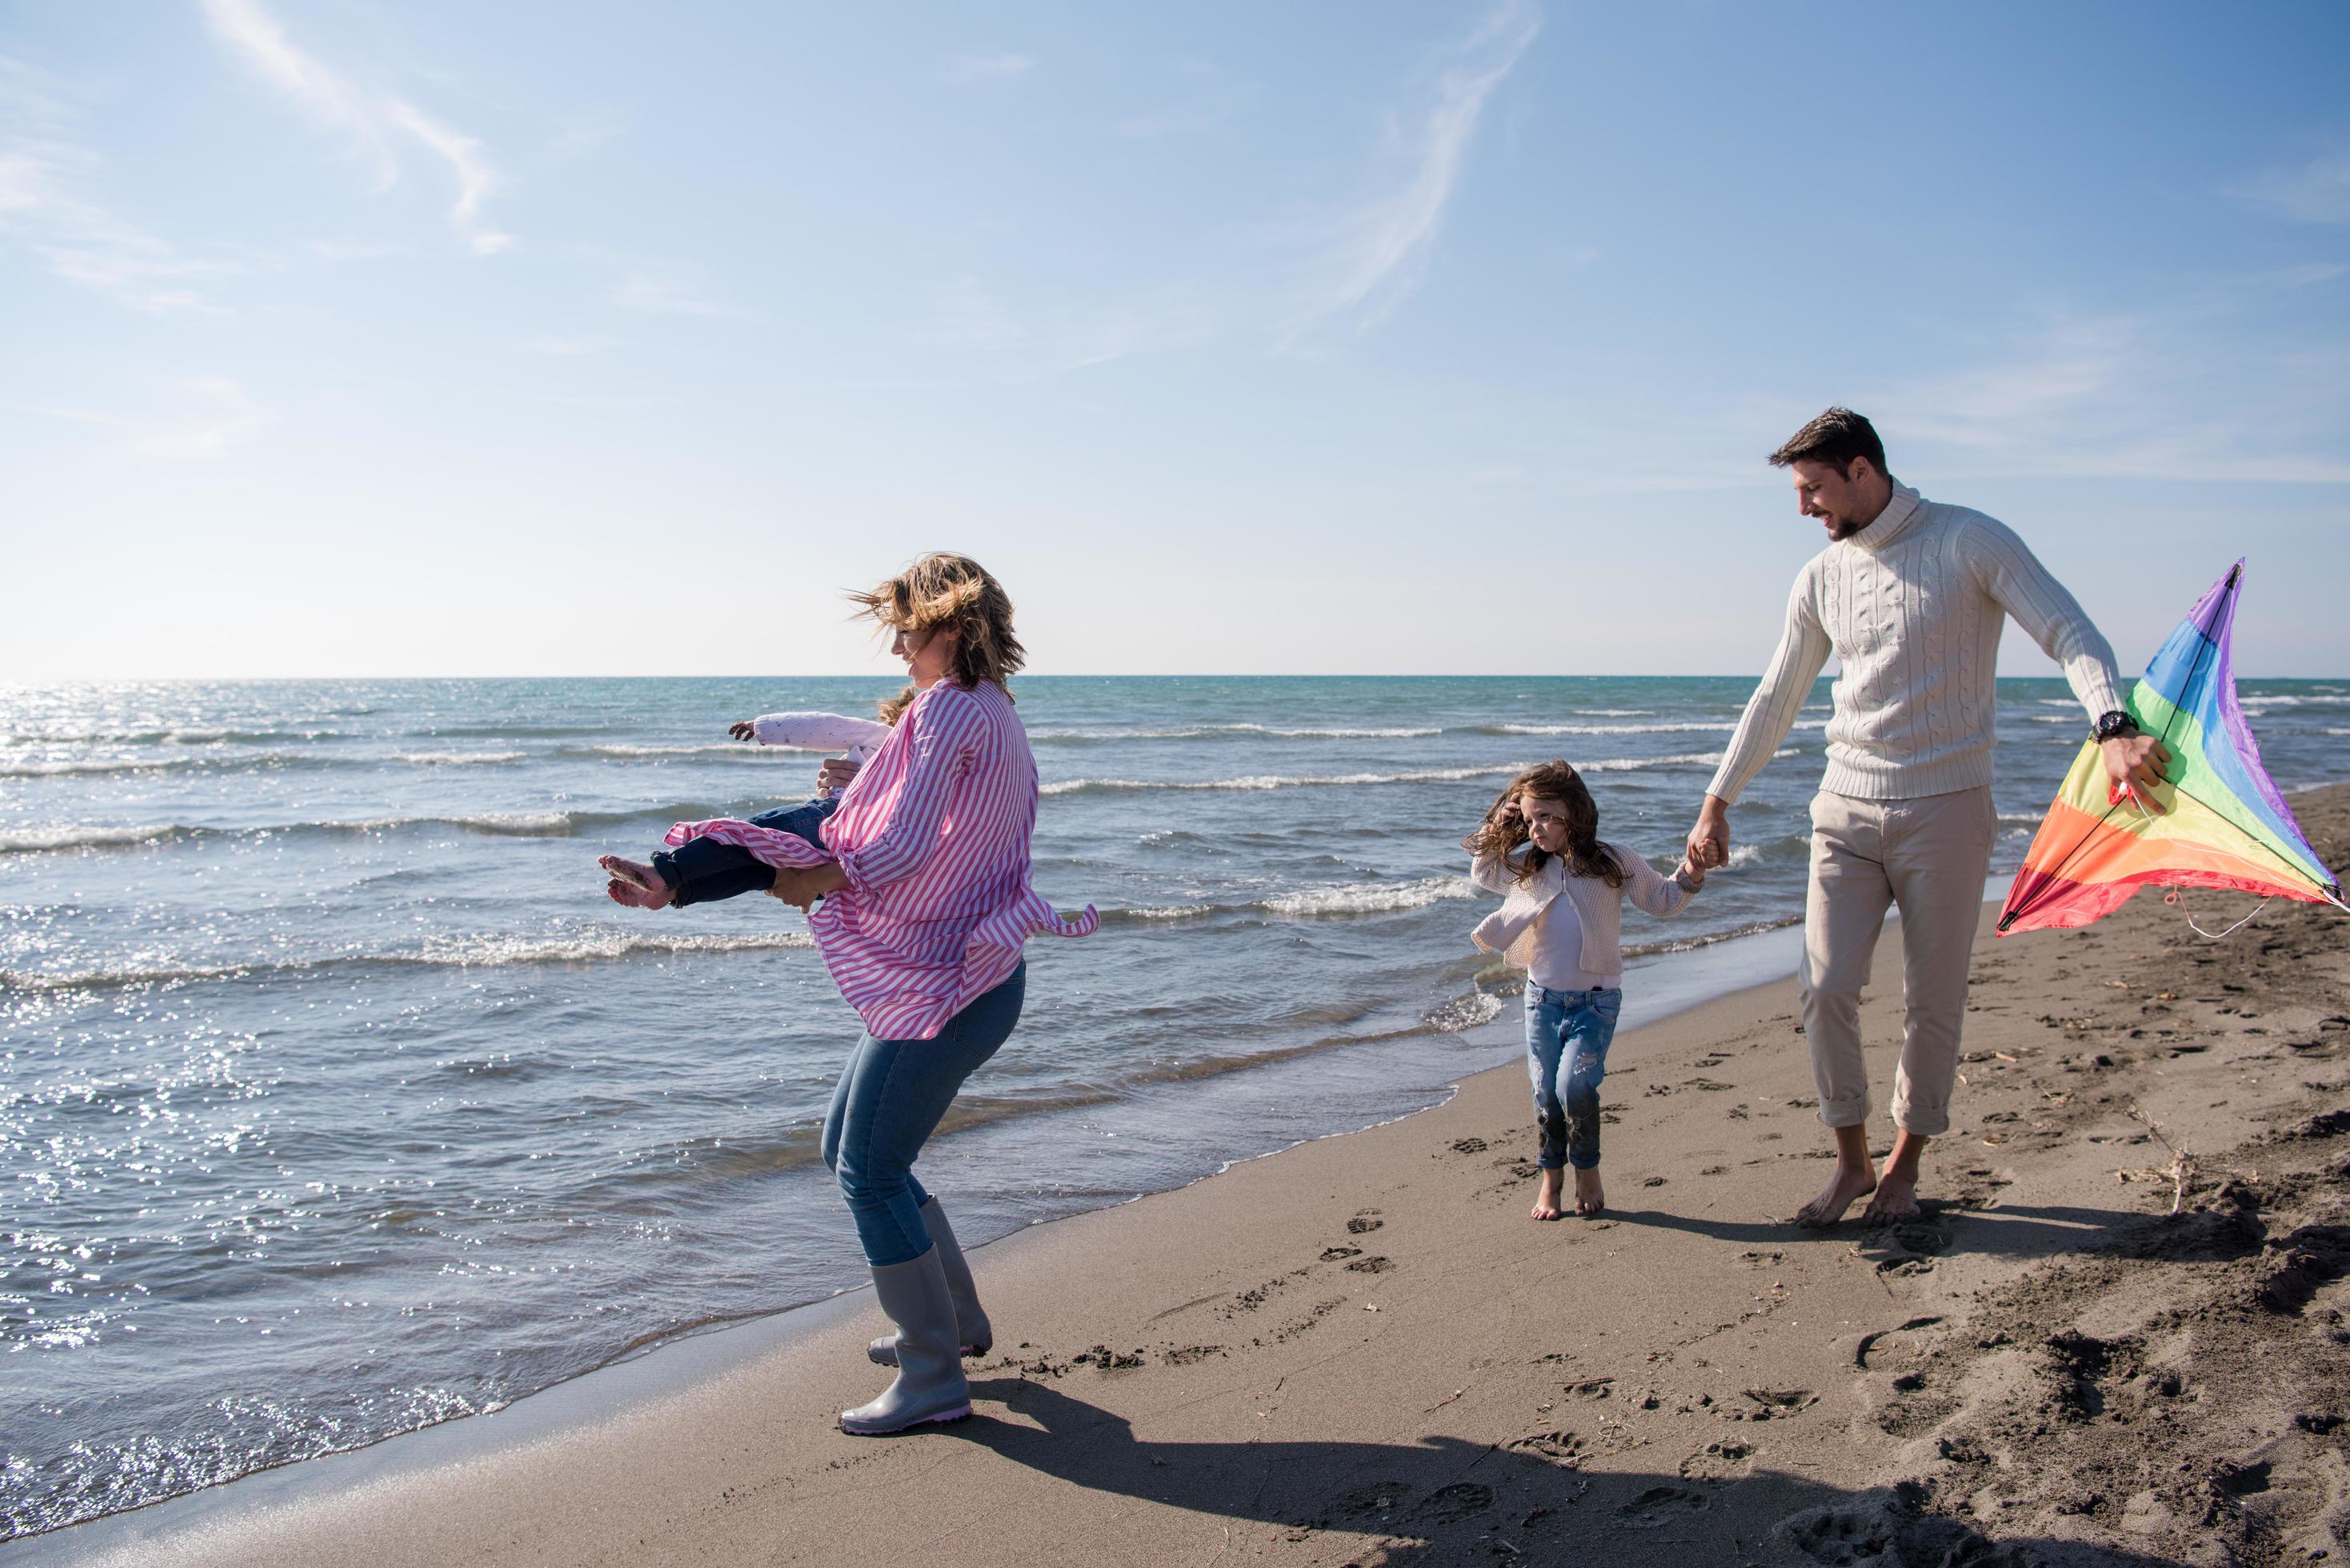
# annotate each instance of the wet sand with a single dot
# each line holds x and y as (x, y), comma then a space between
(1363, 1351)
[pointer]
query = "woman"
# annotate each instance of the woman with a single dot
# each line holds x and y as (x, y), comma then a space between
(920, 902)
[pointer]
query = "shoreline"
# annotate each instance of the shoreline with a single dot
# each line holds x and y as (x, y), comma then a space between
(686, 1358)
(1391, 1363)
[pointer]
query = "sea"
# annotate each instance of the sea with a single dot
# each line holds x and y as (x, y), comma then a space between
(337, 1100)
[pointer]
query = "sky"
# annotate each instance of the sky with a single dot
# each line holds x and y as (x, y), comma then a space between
(353, 338)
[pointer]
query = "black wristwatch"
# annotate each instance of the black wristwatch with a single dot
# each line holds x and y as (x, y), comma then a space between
(2113, 726)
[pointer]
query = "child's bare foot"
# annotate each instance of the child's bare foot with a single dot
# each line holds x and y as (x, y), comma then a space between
(634, 884)
(1546, 1196)
(1590, 1198)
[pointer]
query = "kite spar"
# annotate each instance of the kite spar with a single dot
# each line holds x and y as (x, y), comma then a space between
(2226, 825)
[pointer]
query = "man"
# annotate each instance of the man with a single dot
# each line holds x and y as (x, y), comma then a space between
(1910, 594)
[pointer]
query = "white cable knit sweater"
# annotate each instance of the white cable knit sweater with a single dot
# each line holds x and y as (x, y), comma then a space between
(1912, 607)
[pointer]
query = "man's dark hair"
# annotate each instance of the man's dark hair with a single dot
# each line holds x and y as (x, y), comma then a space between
(1834, 438)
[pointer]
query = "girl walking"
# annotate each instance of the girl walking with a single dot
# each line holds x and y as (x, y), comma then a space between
(1564, 893)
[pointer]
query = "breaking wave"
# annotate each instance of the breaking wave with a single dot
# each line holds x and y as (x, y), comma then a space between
(1370, 898)
(456, 952)
(1209, 731)
(1324, 781)
(494, 824)
(32, 840)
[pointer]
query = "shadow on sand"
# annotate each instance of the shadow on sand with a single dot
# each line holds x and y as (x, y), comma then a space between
(1441, 1500)
(2016, 1232)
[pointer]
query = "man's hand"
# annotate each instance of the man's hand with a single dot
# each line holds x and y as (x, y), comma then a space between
(1708, 841)
(833, 772)
(2136, 763)
(743, 730)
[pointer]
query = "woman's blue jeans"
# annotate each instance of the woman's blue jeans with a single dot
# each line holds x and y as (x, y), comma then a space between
(1567, 1036)
(889, 1102)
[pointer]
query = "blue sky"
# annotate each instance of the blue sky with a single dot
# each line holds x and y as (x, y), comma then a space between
(344, 337)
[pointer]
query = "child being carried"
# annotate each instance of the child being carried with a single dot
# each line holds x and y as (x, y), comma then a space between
(1565, 890)
(703, 869)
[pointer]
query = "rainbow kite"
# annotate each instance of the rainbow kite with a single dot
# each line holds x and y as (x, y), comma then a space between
(2226, 825)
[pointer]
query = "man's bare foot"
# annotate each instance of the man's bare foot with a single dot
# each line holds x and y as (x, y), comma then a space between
(1590, 1198)
(1895, 1199)
(1546, 1196)
(1849, 1184)
(634, 884)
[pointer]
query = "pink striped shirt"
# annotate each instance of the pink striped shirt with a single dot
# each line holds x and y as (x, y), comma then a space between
(932, 835)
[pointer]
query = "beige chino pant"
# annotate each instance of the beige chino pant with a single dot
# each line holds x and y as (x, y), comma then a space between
(1928, 855)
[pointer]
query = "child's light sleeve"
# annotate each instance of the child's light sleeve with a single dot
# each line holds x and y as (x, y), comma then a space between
(820, 732)
(1661, 895)
(1491, 873)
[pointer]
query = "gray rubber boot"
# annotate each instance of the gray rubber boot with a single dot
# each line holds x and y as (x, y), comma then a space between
(929, 1385)
(978, 1337)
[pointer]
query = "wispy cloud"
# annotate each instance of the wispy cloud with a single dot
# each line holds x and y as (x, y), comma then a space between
(201, 419)
(990, 66)
(2317, 192)
(1208, 102)
(2098, 397)
(1380, 252)
(46, 204)
(378, 122)
(668, 288)
(571, 346)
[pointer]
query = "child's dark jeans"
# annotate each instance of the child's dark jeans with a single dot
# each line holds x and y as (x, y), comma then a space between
(703, 869)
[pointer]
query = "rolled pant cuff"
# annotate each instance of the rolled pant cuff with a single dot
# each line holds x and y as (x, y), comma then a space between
(1844, 1113)
(1922, 1123)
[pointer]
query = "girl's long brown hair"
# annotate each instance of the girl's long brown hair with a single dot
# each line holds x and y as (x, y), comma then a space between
(1504, 829)
(948, 592)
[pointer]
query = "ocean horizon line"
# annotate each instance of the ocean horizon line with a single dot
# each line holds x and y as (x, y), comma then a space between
(885, 678)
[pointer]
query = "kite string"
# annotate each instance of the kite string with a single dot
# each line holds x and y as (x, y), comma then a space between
(2172, 897)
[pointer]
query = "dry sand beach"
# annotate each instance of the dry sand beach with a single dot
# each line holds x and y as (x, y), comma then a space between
(1362, 1351)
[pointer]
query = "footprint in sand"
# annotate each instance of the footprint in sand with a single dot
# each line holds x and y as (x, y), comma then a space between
(1661, 1505)
(1450, 1505)
(1363, 1224)
(1332, 1254)
(1380, 1496)
(1561, 1448)
(1370, 1266)
(1725, 1461)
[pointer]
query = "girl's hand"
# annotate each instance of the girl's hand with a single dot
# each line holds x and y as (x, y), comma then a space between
(1690, 872)
(743, 730)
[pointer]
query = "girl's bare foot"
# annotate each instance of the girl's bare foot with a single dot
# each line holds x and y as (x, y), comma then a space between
(634, 884)
(1546, 1197)
(1590, 1198)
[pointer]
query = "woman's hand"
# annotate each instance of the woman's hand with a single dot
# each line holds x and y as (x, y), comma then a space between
(802, 887)
(743, 730)
(833, 772)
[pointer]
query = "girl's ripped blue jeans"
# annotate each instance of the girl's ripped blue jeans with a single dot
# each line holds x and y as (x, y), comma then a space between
(1567, 1035)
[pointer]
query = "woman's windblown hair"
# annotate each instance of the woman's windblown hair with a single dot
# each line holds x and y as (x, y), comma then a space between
(945, 592)
(1504, 832)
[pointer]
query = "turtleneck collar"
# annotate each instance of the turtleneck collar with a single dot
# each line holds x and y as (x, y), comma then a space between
(1889, 525)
